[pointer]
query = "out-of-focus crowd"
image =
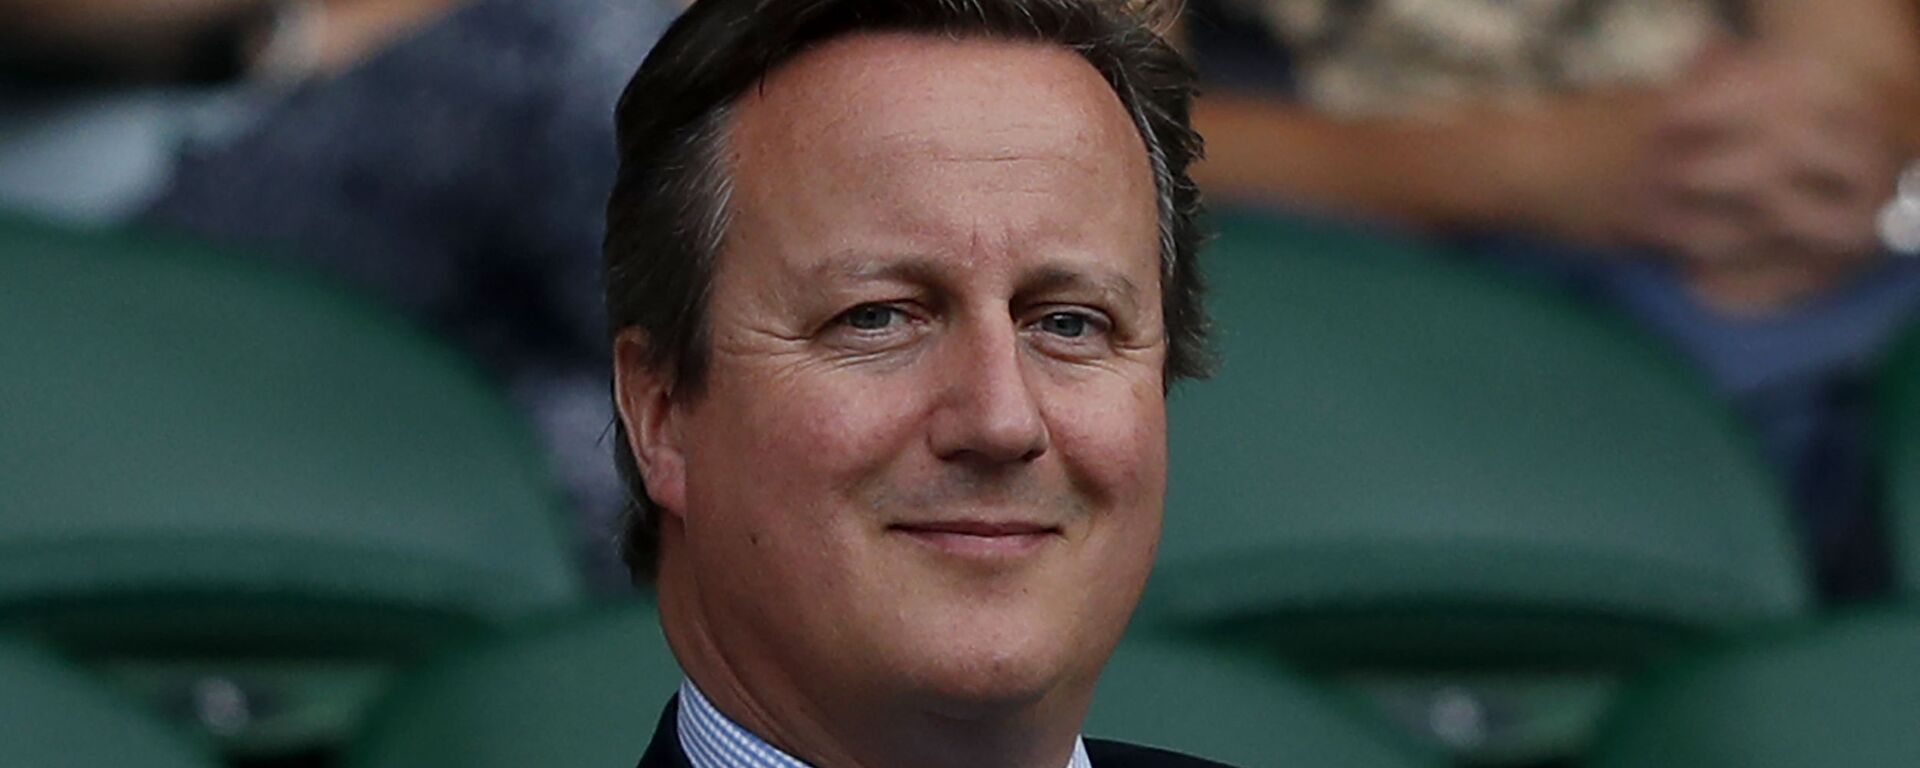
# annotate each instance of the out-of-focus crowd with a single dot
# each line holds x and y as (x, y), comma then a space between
(452, 158)
(1714, 169)
(1722, 172)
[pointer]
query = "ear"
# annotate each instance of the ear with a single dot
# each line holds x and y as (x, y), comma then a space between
(644, 396)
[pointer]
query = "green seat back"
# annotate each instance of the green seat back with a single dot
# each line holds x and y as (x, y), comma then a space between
(1898, 419)
(1409, 462)
(582, 692)
(1238, 709)
(1845, 694)
(54, 716)
(209, 459)
(586, 692)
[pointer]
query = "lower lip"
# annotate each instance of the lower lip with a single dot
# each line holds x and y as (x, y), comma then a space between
(974, 546)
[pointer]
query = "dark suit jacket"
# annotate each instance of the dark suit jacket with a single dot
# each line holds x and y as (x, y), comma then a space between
(665, 750)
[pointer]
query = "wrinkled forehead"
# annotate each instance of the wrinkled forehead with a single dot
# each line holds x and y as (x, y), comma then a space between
(913, 133)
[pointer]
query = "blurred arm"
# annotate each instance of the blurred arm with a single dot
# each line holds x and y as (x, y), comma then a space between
(1560, 168)
(1555, 169)
(1569, 167)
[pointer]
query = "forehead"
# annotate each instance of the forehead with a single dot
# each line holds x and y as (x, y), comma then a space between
(911, 82)
(909, 135)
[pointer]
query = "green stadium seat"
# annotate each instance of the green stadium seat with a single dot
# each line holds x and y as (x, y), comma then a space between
(246, 493)
(1897, 411)
(1478, 501)
(1844, 694)
(1241, 709)
(53, 715)
(580, 692)
(586, 692)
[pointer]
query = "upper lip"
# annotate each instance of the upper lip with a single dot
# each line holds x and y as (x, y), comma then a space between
(978, 527)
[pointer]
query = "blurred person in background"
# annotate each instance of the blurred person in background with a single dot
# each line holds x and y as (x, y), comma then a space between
(451, 157)
(211, 41)
(1712, 168)
(98, 97)
(463, 176)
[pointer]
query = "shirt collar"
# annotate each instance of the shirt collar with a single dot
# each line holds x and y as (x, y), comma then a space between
(711, 740)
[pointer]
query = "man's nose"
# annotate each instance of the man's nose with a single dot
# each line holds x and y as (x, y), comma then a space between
(988, 412)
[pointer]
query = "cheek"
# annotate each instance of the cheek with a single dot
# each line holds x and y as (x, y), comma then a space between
(796, 445)
(1115, 447)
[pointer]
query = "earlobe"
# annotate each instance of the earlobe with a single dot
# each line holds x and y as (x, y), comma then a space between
(644, 396)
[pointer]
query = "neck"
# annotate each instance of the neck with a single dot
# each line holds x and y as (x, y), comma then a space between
(856, 729)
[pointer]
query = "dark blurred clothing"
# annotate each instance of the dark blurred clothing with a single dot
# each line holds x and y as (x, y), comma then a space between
(1799, 376)
(462, 175)
(1802, 379)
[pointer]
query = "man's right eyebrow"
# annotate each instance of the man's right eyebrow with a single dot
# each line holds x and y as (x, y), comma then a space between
(863, 268)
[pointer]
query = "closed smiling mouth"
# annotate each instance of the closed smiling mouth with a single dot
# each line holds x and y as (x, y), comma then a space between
(979, 538)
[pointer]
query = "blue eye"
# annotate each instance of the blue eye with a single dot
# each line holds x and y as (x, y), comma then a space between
(870, 317)
(1066, 324)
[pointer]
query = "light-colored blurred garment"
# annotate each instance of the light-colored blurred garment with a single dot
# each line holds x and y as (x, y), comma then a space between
(99, 156)
(1377, 57)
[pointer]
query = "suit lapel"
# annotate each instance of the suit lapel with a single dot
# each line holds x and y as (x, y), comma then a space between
(665, 751)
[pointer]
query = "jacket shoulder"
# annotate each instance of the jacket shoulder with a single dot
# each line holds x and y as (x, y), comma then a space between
(1116, 754)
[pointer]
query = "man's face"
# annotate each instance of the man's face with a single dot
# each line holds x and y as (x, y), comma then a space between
(930, 459)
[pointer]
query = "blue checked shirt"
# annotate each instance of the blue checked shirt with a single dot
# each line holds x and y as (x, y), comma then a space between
(713, 741)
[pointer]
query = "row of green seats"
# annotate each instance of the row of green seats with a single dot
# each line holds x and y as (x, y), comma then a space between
(252, 497)
(1480, 504)
(585, 690)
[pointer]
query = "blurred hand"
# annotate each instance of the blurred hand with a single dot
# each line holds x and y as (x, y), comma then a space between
(1763, 174)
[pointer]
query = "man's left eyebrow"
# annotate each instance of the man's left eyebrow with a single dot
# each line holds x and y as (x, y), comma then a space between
(1113, 287)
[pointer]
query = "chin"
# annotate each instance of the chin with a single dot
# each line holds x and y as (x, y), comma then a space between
(982, 672)
(980, 692)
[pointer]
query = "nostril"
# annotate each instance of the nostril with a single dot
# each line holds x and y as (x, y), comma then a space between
(988, 410)
(980, 437)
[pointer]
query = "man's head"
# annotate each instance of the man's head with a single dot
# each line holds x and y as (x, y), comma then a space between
(668, 214)
(898, 286)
